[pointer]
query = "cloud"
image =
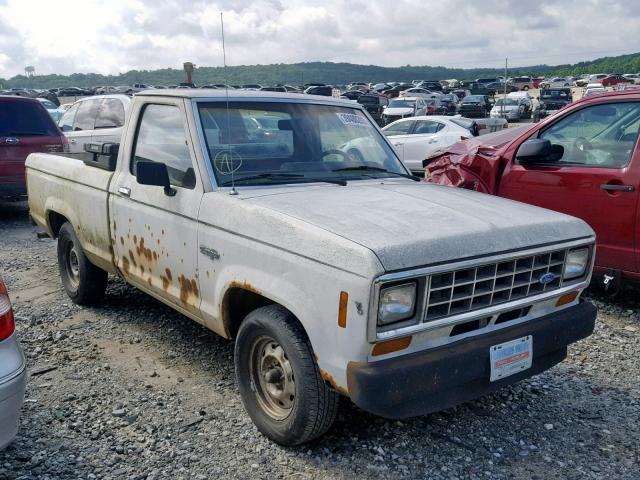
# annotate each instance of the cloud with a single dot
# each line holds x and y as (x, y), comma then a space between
(70, 36)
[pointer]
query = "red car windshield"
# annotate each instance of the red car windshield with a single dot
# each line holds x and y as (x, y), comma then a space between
(22, 119)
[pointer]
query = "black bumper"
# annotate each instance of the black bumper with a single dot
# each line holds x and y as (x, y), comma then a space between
(439, 378)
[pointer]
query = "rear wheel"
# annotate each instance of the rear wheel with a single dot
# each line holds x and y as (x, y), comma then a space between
(84, 282)
(279, 381)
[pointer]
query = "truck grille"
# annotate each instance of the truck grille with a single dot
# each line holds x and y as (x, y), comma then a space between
(459, 291)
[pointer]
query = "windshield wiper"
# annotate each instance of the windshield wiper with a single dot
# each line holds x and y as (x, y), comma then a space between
(367, 168)
(283, 176)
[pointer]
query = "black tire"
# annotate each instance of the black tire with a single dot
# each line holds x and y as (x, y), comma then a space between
(84, 282)
(312, 408)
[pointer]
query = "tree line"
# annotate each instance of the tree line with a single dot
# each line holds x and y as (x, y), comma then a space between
(322, 72)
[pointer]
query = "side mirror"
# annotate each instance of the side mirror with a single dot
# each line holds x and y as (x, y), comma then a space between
(534, 150)
(154, 173)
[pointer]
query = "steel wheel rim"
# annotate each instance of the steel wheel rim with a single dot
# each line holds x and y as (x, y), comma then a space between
(73, 265)
(272, 378)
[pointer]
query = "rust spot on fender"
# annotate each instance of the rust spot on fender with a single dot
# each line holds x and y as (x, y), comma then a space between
(149, 281)
(188, 288)
(163, 231)
(207, 272)
(167, 278)
(122, 241)
(332, 381)
(125, 264)
(135, 239)
(158, 242)
(246, 286)
(155, 256)
(141, 270)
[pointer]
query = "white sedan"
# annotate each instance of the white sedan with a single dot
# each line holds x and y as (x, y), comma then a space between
(416, 138)
(556, 82)
(418, 92)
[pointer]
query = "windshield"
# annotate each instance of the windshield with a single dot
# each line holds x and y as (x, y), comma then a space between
(260, 143)
(472, 98)
(506, 102)
(402, 103)
(553, 94)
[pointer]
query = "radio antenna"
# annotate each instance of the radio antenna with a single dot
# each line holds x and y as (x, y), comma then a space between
(230, 158)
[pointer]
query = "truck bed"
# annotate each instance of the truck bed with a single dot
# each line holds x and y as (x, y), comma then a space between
(79, 194)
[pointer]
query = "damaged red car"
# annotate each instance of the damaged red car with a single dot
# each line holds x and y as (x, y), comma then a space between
(583, 161)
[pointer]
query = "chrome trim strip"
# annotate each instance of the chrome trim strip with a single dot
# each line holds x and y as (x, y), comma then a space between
(372, 331)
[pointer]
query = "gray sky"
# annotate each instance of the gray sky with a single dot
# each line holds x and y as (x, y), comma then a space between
(113, 36)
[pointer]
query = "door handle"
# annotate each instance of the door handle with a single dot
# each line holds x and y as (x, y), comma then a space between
(398, 144)
(126, 191)
(73, 140)
(617, 188)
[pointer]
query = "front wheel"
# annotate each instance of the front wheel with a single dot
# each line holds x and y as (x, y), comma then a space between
(279, 381)
(84, 282)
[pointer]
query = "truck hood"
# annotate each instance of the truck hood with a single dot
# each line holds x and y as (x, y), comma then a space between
(408, 225)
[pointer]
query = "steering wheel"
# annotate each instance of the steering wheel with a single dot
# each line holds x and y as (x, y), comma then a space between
(335, 151)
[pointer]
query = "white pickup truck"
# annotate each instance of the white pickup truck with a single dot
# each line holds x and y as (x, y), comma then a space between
(336, 273)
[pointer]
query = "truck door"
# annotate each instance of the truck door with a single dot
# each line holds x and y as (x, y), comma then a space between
(155, 234)
(596, 177)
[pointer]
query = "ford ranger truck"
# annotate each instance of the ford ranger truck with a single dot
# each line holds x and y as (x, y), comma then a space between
(334, 270)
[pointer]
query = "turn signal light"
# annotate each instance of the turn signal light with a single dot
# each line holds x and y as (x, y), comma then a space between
(567, 298)
(389, 346)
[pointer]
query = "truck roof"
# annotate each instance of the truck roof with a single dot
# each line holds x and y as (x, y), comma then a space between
(221, 94)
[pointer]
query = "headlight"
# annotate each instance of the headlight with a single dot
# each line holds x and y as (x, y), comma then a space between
(576, 263)
(397, 303)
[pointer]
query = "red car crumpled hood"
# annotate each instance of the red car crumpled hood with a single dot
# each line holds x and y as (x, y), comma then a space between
(474, 164)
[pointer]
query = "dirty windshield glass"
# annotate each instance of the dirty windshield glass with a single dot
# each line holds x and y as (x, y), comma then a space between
(259, 143)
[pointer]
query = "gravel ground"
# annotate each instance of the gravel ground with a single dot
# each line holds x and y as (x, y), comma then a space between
(137, 391)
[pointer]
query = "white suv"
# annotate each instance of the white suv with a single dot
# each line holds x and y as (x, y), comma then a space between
(94, 119)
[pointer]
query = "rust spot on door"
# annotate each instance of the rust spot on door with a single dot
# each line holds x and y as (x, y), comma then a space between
(122, 241)
(135, 239)
(125, 264)
(166, 279)
(132, 258)
(332, 381)
(188, 288)
(149, 281)
(143, 251)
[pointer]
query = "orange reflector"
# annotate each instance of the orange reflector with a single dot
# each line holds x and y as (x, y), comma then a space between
(389, 346)
(567, 298)
(342, 310)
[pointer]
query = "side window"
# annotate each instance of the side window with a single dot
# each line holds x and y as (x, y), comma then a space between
(427, 126)
(400, 128)
(161, 138)
(110, 114)
(597, 136)
(86, 116)
(66, 121)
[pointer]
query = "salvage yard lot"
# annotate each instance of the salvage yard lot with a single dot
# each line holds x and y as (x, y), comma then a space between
(132, 389)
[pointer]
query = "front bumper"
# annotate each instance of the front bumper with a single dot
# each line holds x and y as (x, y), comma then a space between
(439, 378)
(12, 388)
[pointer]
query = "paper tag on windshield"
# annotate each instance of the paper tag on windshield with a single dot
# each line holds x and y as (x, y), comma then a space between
(352, 119)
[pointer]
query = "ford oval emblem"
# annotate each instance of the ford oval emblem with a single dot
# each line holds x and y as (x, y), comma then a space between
(547, 278)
